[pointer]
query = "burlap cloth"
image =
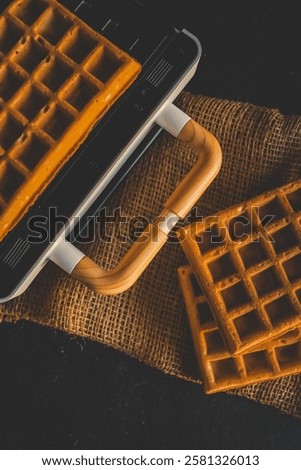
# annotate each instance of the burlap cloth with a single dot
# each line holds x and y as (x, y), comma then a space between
(262, 150)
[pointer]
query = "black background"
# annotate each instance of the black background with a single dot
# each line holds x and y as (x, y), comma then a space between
(62, 392)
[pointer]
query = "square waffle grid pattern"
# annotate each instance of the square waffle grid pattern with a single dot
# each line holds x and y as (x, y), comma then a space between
(219, 369)
(57, 78)
(248, 262)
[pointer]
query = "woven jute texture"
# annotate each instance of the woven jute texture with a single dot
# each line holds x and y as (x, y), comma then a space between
(262, 150)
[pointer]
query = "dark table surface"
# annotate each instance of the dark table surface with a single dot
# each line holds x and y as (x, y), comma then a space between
(62, 392)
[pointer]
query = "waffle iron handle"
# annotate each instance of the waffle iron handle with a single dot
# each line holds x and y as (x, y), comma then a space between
(154, 235)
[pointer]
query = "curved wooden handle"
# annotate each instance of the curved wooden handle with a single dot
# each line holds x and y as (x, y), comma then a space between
(155, 235)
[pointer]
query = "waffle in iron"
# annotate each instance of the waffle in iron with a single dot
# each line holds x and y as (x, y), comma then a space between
(247, 260)
(222, 371)
(57, 79)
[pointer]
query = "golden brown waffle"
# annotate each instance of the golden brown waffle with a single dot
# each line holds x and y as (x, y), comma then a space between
(57, 78)
(249, 266)
(222, 371)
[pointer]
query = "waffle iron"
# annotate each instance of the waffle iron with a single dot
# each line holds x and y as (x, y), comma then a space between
(169, 59)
